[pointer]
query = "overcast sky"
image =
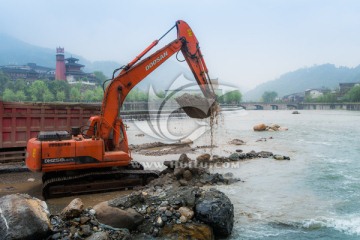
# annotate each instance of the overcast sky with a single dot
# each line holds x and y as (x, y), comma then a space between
(243, 42)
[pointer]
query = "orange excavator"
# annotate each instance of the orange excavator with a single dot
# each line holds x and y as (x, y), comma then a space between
(98, 158)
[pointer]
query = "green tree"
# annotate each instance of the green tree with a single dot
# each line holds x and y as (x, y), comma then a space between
(233, 97)
(75, 94)
(89, 95)
(60, 96)
(98, 94)
(20, 95)
(38, 91)
(327, 98)
(20, 84)
(9, 95)
(4, 79)
(353, 95)
(59, 86)
(48, 96)
(269, 96)
(136, 95)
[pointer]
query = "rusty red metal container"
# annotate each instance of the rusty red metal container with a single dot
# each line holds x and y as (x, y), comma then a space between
(21, 121)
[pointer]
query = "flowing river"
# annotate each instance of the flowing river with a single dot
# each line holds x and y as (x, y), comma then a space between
(315, 195)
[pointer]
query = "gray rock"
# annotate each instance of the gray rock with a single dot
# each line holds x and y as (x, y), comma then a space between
(168, 213)
(187, 175)
(178, 172)
(56, 236)
(183, 182)
(184, 158)
(212, 178)
(228, 175)
(98, 236)
(116, 217)
(237, 142)
(86, 230)
(234, 157)
(183, 196)
(265, 154)
(23, 217)
(251, 154)
(215, 209)
(242, 155)
(126, 201)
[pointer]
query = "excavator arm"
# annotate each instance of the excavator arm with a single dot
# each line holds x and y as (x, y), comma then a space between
(134, 72)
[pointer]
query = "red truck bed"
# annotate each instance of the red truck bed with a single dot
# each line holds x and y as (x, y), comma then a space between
(21, 121)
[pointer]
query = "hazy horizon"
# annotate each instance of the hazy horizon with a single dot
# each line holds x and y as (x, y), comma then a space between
(244, 43)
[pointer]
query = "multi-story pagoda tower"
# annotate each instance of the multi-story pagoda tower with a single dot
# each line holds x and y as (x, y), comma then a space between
(60, 64)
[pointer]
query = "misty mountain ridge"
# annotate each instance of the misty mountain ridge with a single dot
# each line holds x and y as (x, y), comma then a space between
(15, 51)
(318, 76)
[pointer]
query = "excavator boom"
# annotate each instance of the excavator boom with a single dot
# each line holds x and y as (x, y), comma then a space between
(135, 72)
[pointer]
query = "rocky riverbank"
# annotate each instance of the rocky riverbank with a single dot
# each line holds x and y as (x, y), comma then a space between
(172, 206)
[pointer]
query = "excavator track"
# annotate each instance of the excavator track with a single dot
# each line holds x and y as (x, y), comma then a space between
(96, 181)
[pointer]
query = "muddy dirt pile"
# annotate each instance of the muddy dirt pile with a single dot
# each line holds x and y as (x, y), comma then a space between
(159, 148)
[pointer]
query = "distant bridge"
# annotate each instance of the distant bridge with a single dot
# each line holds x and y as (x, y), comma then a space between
(269, 106)
(299, 105)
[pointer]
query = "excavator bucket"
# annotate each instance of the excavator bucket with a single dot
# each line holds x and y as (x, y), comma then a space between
(196, 106)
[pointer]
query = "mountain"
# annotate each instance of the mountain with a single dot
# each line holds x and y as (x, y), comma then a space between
(15, 51)
(318, 76)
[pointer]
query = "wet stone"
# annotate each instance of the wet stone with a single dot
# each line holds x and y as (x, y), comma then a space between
(159, 222)
(187, 175)
(168, 213)
(234, 157)
(86, 230)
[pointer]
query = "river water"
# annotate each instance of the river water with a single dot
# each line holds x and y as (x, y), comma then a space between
(315, 195)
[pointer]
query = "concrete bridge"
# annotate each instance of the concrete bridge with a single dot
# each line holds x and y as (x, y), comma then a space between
(269, 106)
(300, 105)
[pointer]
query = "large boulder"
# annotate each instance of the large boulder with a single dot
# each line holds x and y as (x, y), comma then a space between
(203, 158)
(116, 217)
(237, 142)
(74, 209)
(215, 209)
(260, 127)
(23, 217)
(126, 201)
(193, 231)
